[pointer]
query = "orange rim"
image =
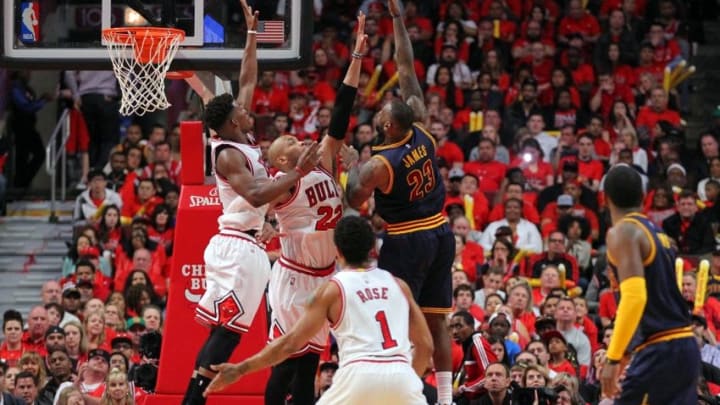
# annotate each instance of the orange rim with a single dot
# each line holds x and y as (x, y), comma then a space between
(179, 75)
(150, 44)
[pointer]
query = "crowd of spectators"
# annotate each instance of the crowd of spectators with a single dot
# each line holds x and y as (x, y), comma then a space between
(531, 102)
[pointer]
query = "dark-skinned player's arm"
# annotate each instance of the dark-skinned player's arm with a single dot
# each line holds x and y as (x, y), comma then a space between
(419, 333)
(249, 67)
(232, 164)
(317, 311)
(362, 182)
(344, 101)
(625, 245)
(410, 89)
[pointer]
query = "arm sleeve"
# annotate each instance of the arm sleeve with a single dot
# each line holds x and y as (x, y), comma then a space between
(341, 113)
(633, 297)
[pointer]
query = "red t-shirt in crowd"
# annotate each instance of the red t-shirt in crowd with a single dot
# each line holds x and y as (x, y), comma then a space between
(451, 152)
(276, 99)
(587, 25)
(490, 174)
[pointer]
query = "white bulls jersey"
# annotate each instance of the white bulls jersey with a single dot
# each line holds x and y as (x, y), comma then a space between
(374, 319)
(238, 213)
(307, 220)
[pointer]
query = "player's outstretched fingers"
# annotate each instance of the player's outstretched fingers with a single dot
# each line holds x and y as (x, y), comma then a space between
(226, 375)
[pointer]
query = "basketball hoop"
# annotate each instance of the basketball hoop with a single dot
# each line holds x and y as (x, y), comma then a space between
(141, 57)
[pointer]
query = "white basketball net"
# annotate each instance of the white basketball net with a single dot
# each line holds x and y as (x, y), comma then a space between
(141, 59)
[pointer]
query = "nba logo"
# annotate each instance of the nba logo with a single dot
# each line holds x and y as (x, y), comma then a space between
(29, 23)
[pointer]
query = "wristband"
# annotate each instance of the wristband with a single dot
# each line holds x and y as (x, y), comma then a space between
(357, 55)
(612, 362)
(251, 32)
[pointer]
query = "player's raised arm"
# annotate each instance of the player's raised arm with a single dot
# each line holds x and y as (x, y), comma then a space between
(248, 68)
(232, 164)
(409, 86)
(316, 314)
(344, 100)
(624, 246)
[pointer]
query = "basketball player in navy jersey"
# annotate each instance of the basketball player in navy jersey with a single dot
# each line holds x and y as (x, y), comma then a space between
(652, 322)
(237, 268)
(374, 319)
(409, 195)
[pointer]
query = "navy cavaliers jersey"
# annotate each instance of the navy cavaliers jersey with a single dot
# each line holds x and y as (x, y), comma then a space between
(415, 193)
(666, 309)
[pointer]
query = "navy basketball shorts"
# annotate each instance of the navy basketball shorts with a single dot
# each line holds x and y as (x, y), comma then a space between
(663, 373)
(423, 259)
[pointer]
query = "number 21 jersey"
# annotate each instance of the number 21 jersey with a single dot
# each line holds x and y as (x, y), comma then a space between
(374, 319)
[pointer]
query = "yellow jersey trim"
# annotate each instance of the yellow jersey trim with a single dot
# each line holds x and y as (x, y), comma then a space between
(421, 224)
(435, 310)
(667, 335)
(653, 249)
(391, 173)
(394, 144)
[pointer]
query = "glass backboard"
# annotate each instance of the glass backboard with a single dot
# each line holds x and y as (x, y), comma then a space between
(66, 34)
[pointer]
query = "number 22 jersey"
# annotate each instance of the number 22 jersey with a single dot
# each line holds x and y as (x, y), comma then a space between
(307, 220)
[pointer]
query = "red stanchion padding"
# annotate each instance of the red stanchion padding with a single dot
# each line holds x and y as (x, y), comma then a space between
(192, 153)
(183, 337)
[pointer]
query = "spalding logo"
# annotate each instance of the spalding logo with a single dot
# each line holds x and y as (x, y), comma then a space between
(195, 287)
(210, 199)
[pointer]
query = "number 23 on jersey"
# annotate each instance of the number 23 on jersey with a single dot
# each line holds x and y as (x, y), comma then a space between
(421, 181)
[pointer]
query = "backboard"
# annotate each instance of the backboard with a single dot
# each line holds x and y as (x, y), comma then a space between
(66, 34)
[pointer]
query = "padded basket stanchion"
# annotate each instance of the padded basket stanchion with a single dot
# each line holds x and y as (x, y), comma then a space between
(141, 57)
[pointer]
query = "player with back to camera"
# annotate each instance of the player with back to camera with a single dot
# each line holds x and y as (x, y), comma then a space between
(403, 174)
(236, 267)
(652, 321)
(374, 319)
(306, 217)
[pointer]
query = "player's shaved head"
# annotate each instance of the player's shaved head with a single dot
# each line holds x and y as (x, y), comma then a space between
(278, 149)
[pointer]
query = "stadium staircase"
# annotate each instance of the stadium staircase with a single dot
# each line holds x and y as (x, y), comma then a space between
(31, 251)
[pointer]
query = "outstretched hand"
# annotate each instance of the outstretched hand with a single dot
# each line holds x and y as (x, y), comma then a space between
(227, 374)
(309, 158)
(251, 17)
(394, 7)
(349, 156)
(361, 42)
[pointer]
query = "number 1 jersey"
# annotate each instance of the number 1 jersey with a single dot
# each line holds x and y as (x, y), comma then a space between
(415, 190)
(374, 318)
(307, 220)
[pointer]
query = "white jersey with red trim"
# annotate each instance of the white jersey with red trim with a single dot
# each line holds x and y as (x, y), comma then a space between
(307, 220)
(238, 213)
(374, 319)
